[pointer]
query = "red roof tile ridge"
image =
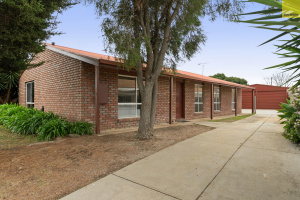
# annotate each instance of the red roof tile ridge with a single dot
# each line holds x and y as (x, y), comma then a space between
(83, 53)
(210, 79)
(111, 58)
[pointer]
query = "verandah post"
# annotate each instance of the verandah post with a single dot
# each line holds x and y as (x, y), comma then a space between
(97, 99)
(212, 102)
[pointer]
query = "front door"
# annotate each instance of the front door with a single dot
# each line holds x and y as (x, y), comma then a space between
(179, 101)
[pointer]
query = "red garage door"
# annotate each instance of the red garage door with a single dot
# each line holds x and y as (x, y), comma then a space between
(267, 97)
(270, 99)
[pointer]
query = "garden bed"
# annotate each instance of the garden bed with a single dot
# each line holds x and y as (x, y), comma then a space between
(54, 169)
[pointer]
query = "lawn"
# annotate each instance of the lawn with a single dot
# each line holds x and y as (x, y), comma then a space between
(9, 140)
(51, 170)
(232, 119)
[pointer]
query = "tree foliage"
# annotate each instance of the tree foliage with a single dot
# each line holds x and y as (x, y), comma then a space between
(9, 87)
(230, 79)
(24, 24)
(271, 19)
(156, 34)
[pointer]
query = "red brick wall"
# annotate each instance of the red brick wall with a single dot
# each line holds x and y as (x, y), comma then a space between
(109, 112)
(57, 84)
(163, 100)
(226, 97)
(66, 86)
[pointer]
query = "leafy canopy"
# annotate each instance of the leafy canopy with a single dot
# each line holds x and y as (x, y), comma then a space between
(24, 24)
(169, 30)
(271, 19)
(230, 79)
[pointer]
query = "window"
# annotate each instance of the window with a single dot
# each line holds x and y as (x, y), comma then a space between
(30, 94)
(233, 99)
(217, 99)
(198, 98)
(129, 101)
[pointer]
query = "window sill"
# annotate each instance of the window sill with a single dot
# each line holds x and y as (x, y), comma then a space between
(217, 111)
(129, 119)
(197, 113)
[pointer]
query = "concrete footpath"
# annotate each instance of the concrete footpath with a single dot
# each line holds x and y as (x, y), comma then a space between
(247, 159)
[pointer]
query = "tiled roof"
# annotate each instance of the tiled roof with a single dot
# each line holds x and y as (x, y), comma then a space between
(179, 73)
(190, 75)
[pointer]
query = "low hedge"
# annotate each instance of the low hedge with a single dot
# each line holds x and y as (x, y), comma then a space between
(46, 125)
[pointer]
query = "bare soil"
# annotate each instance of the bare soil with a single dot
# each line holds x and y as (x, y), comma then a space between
(54, 169)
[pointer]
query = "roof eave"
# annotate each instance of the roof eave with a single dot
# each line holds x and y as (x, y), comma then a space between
(89, 60)
(206, 81)
(97, 61)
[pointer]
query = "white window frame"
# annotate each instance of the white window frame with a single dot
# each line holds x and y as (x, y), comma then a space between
(217, 102)
(136, 98)
(233, 99)
(199, 103)
(29, 103)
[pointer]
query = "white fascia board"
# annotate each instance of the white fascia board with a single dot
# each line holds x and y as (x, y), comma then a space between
(75, 56)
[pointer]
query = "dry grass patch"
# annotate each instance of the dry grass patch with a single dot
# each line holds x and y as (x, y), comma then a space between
(9, 140)
(52, 170)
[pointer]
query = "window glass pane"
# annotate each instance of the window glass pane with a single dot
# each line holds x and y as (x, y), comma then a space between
(198, 98)
(30, 92)
(216, 94)
(126, 90)
(217, 99)
(200, 94)
(138, 110)
(200, 107)
(128, 98)
(196, 93)
(30, 105)
(127, 111)
(28, 85)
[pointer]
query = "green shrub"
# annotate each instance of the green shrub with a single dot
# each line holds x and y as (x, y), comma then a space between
(291, 120)
(28, 122)
(81, 128)
(287, 111)
(292, 128)
(53, 128)
(9, 110)
(17, 123)
(46, 125)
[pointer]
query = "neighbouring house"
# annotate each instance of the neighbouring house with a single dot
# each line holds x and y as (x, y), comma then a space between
(267, 96)
(90, 87)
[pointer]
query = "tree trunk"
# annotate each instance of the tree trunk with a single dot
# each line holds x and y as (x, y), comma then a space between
(8, 95)
(145, 130)
(154, 101)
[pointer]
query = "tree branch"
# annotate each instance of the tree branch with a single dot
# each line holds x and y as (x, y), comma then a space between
(167, 36)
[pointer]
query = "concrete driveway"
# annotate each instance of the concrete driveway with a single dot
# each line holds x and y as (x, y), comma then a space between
(247, 159)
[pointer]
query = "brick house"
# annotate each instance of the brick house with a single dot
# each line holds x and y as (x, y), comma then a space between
(90, 87)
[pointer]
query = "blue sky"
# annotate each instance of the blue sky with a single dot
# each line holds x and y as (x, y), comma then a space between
(231, 48)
